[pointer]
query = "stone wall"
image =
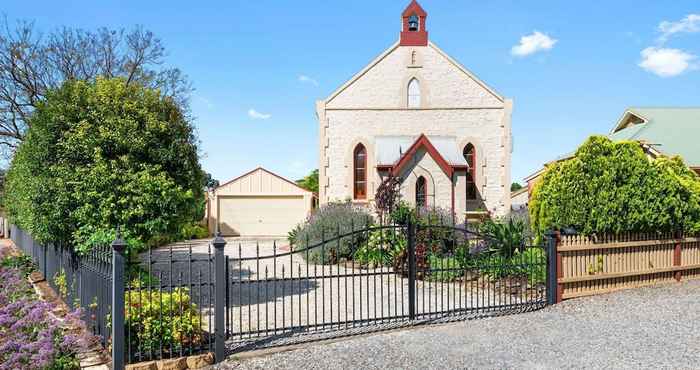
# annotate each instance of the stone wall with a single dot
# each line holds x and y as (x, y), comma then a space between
(453, 103)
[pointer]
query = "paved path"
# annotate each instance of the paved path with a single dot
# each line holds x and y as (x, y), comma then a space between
(656, 327)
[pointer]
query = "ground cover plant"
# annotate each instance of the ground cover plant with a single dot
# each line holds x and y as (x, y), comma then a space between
(31, 335)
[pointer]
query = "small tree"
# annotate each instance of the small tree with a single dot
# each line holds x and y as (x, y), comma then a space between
(610, 187)
(515, 186)
(387, 197)
(98, 155)
(310, 182)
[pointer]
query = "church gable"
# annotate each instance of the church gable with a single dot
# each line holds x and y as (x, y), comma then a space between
(414, 73)
(437, 80)
(443, 83)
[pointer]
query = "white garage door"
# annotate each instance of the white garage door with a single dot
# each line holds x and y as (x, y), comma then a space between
(260, 215)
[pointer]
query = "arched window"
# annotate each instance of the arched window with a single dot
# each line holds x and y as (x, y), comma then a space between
(470, 156)
(421, 192)
(360, 172)
(413, 23)
(413, 93)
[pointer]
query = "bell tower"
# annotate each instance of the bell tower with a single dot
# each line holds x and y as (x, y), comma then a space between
(413, 31)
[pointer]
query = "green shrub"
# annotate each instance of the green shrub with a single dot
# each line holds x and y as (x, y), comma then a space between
(505, 237)
(193, 231)
(102, 154)
(531, 263)
(444, 268)
(382, 248)
(154, 318)
(613, 187)
(327, 224)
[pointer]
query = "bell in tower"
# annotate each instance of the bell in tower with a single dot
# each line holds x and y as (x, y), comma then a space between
(413, 31)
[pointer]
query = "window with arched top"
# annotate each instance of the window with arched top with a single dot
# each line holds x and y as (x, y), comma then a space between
(421, 193)
(414, 93)
(360, 172)
(470, 156)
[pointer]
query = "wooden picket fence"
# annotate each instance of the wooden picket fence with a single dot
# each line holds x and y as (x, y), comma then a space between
(596, 265)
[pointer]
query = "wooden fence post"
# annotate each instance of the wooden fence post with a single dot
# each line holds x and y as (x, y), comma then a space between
(677, 256)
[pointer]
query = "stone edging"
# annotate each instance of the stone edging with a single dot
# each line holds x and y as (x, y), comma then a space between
(203, 361)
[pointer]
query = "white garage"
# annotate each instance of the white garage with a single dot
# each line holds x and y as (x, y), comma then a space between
(258, 203)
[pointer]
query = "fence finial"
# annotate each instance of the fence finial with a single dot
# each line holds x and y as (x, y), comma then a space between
(119, 244)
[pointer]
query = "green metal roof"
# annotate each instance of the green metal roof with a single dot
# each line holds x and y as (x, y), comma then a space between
(672, 131)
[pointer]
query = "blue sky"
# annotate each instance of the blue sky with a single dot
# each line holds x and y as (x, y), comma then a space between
(246, 59)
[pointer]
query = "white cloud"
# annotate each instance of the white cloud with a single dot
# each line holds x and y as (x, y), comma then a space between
(529, 44)
(666, 62)
(307, 79)
(689, 24)
(252, 113)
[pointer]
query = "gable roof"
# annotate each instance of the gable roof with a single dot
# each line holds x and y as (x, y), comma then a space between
(423, 142)
(393, 47)
(670, 131)
(414, 7)
(266, 171)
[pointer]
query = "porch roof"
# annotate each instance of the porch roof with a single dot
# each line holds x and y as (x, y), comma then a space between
(390, 149)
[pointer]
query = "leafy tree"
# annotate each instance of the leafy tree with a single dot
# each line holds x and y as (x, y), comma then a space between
(613, 187)
(515, 186)
(310, 181)
(32, 64)
(210, 182)
(101, 154)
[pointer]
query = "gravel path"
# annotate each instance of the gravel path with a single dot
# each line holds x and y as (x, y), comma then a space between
(286, 291)
(656, 327)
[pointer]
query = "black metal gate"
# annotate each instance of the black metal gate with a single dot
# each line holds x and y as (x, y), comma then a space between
(375, 278)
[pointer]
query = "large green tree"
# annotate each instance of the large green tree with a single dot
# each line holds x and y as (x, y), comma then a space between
(104, 154)
(613, 187)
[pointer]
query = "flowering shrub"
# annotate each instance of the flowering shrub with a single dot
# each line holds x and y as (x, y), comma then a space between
(327, 224)
(31, 336)
(157, 319)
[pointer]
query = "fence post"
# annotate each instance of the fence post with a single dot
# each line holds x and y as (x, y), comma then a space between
(677, 253)
(553, 296)
(118, 262)
(411, 230)
(220, 295)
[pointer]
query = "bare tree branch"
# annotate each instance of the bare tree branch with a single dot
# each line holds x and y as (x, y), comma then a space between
(31, 65)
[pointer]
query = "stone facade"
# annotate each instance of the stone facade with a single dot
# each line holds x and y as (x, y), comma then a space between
(453, 102)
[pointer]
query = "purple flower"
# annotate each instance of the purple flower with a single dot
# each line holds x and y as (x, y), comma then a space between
(33, 337)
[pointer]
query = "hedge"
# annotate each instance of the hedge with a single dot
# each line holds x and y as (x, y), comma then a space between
(613, 187)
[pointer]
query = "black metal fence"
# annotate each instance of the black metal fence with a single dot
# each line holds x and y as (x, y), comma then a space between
(82, 281)
(193, 298)
(375, 278)
(169, 303)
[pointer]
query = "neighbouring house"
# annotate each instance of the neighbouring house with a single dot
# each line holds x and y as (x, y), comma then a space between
(519, 199)
(416, 113)
(258, 203)
(660, 131)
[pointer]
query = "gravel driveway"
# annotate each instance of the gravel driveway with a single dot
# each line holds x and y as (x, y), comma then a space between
(656, 327)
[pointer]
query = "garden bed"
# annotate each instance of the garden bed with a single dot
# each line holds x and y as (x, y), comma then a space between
(36, 332)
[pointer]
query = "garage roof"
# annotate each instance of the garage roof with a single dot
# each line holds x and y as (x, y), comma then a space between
(261, 181)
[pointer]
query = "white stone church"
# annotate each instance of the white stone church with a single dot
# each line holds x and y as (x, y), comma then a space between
(418, 114)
